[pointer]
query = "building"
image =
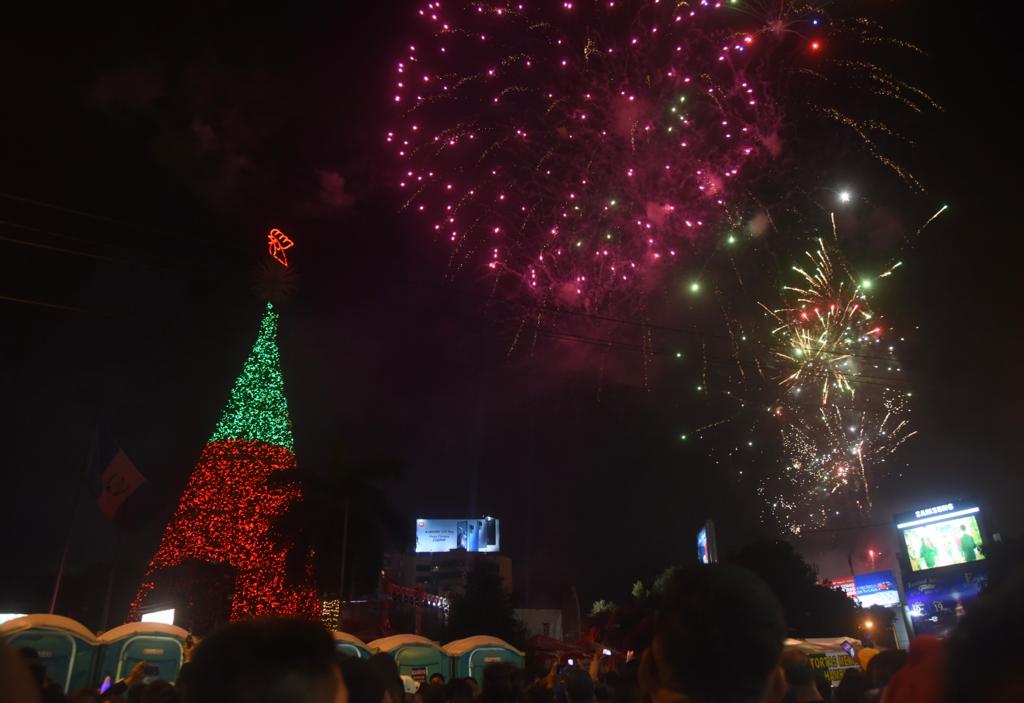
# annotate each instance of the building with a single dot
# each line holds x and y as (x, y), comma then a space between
(546, 622)
(443, 573)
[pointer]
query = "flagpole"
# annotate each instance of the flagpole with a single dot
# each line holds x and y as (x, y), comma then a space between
(110, 580)
(71, 525)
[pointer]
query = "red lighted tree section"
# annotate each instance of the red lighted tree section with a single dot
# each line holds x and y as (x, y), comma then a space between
(228, 509)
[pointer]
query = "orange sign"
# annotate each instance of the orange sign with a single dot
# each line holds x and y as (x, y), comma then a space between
(278, 242)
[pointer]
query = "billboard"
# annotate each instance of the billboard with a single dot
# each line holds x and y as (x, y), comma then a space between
(868, 590)
(480, 535)
(877, 588)
(936, 600)
(943, 535)
(707, 549)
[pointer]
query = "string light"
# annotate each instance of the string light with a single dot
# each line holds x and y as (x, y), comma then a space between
(228, 508)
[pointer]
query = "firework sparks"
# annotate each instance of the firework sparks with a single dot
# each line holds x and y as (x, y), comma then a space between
(825, 326)
(833, 457)
(586, 149)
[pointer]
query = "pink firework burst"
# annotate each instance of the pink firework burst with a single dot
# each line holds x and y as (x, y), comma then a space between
(582, 150)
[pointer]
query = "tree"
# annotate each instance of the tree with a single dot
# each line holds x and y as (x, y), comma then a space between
(485, 608)
(346, 518)
(230, 505)
(811, 610)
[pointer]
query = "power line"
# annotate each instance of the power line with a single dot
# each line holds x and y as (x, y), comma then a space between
(57, 306)
(703, 334)
(112, 220)
(857, 378)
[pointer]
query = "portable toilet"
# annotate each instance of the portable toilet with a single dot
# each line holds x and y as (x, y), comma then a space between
(66, 647)
(159, 645)
(416, 656)
(471, 655)
(350, 645)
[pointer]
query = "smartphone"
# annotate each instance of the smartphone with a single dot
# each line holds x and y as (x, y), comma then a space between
(105, 686)
(848, 648)
(572, 662)
(606, 652)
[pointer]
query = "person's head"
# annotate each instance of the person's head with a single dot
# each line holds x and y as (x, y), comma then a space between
(883, 665)
(459, 691)
(157, 692)
(474, 685)
(502, 684)
(924, 677)
(16, 682)
(433, 693)
(796, 666)
(363, 686)
(273, 660)
(84, 695)
(436, 679)
(853, 688)
(579, 687)
(986, 662)
(385, 670)
(718, 638)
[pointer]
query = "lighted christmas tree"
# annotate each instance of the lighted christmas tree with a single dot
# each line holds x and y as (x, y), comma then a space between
(225, 517)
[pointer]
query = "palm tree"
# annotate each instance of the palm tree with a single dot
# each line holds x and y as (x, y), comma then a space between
(346, 520)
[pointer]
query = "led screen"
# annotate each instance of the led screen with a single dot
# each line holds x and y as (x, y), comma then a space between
(943, 542)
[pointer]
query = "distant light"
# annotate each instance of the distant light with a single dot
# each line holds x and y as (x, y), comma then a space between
(164, 616)
(695, 287)
(815, 45)
(844, 195)
(868, 624)
(866, 284)
(731, 239)
(679, 355)
(682, 437)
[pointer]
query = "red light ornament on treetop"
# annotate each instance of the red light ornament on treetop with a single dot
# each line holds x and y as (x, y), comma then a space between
(277, 243)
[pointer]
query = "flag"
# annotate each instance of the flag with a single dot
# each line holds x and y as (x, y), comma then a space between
(118, 477)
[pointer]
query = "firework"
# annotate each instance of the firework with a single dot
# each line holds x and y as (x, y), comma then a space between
(833, 456)
(826, 327)
(583, 149)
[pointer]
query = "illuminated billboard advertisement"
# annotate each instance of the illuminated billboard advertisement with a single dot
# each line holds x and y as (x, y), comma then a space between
(942, 535)
(936, 600)
(479, 535)
(877, 588)
(707, 550)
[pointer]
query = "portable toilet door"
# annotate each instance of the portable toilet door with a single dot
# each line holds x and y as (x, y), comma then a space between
(66, 647)
(159, 645)
(416, 656)
(471, 656)
(350, 645)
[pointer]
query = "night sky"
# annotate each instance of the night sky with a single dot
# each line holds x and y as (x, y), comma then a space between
(144, 157)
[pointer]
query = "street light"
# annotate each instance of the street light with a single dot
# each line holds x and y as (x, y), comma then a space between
(868, 625)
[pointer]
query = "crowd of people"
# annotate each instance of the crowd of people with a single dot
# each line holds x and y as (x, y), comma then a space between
(718, 638)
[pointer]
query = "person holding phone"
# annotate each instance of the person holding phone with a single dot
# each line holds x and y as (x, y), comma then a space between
(137, 675)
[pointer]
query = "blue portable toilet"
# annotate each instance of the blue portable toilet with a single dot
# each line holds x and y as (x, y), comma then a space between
(66, 647)
(417, 657)
(350, 645)
(471, 656)
(159, 645)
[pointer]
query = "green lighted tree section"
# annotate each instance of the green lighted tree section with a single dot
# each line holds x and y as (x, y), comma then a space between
(257, 408)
